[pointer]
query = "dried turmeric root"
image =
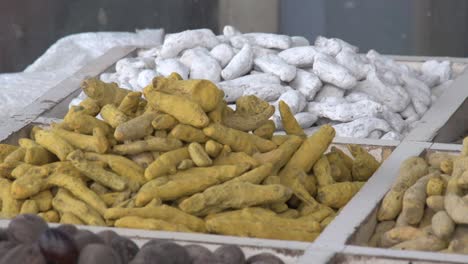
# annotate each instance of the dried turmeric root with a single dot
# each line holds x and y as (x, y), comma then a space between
(35, 154)
(96, 143)
(236, 195)
(79, 121)
(64, 202)
(90, 107)
(151, 144)
(188, 134)
(135, 128)
(149, 224)
(6, 150)
(103, 93)
(338, 195)
(53, 143)
(166, 163)
(164, 122)
(251, 113)
(113, 116)
(290, 124)
(129, 103)
(364, 164)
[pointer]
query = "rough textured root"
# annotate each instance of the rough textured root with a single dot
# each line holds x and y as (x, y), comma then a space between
(266, 130)
(346, 112)
(96, 143)
(246, 222)
(238, 140)
(423, 243)
(150, 224)
(247, 121)
(442, 225)
(435, 202)
(166, 163)
(184, 110)
(177, 42)
(90, 106)
(135, 128)
(337, 195)
(322, 172)
(235, 195)
(290, 124)
(414, 201)
(103, 93)
(339, 171)
(198, 155)
(280, 156)
(400, 234)
(364, 164)
(77, 120)
(113, 116)
(151, 144)
(361, 127)
(53, 143)
(410, 171)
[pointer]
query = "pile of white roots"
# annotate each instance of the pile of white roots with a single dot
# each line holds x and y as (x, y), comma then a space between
(361, 95)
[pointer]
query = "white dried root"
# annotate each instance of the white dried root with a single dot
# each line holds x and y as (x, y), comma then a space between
(267, 92)
(235, 88)
(353, 97)
(357, 64)
(307, 83)
(260, 52)
(394, 120)
(167, 66)
(331, 72)
(346, 112)
(361, 128)
(269, 40)
(202, 65)
(299, 41)
(438, 90)
(392, 135)
(332, 46)
(376, 134)
(178, 42)
(240, 64)
(230, 31)
(443, 70)
(223, 53)
(329, 91)
(393, 96)
(306, 119)
(272, 63)
(299, 56)
(417, 89)
(409, 113)
(145, 77)
(294, 99)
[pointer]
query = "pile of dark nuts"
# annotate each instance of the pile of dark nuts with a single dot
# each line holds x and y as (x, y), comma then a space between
(28, 239)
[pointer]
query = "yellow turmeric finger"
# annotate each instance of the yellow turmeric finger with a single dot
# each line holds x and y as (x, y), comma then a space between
(43, 200)
(15, 156)
(255, 176)
(103, 93)
(50, 216)
(29, 207)
(188, 133)
(166, 163)
(151, 144)
(234, 158)
(95, 143)
(342, 173)
(77, 120)
(10, 206)
(203, 92)
(364, 164)
(213, 148)
(98, 174)
(161, 212)
(35, 154)
(338, 195)
(237, 140)
(348, 161)
(234, 195)
(64, 202)
(198, 155)
(53, 143)
(113, 116)
(290, 124)
(164, 122)
(183, 109)
(266, 130)
(312, 149)
(71, 219)
(20, 170)
(28, 185)
(78, 189)
(90, 107)
(130, 103)
(280, 156)
(135, 128)
(5, 150)
(149, 224)
(322, 172)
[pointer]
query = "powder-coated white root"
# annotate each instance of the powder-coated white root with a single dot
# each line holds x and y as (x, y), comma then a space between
(393, 119)
(202, 65)
(357, 64)
(299, 56)
(294, 99)
(235, 88)
(298, 41)
(260, 52)
(328, 45)
(443, 69)
(178, 42)
(361, 127)
(268, 92)
(145, 77)
(329, 91)
(392, 135)
(376, 134)
(167, 66)
(409, 113)
(268, 40)
(358, 96)
(417, 90)
(346, 112)
(331, 72)
(230, 31)
(307, 83)
(223, 53)
(306, 119)
(240, 64)
(274, 64)
(393, 96)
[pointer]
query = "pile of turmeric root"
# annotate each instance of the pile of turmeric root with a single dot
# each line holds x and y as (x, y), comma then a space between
(178, 159)
(427, 207)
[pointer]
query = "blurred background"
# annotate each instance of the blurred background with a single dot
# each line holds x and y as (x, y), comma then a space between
(406, 27)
